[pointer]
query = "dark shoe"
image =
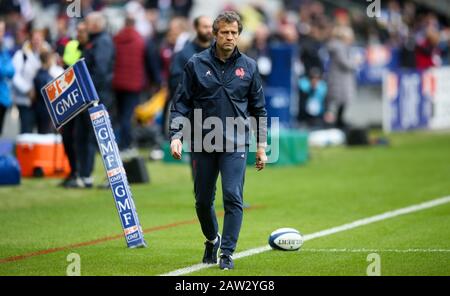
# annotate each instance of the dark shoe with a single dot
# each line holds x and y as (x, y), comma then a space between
(226, 262)
(73, 182)
(65, 181)
(211, 251)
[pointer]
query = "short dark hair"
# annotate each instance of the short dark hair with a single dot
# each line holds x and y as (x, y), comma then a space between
(129, 21)
(228, 17)
(197, 21)
(45, 56)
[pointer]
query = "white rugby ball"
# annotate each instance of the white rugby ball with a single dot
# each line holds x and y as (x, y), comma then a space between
(286, 239)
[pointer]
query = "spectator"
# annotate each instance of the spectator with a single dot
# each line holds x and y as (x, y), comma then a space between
(287, 33)
(427, 50)
(445, 45)
(141, 24)
(6, 72)
(10, 6)
(310, 48)
(312, 95)
(153, 63)
(26, 64)
(128, 80)
(43, 122)
(341, 75)
(99, 54)
(62, 37)
(72, 53)
(407, 55)
(259, 51)
(178, 33)
(159, 54)
(73, 50)
(204, 36)
(182, 7)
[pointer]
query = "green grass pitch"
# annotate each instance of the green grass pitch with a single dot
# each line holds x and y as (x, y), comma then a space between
(337, 186)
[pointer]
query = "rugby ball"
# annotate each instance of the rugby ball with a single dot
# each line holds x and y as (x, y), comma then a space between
(286, 239)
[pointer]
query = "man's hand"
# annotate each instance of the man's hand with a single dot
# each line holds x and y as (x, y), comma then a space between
(261, 158)
(176, 148)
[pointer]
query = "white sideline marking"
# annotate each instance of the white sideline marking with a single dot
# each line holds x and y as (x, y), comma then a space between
(376, 250)
(326, 232)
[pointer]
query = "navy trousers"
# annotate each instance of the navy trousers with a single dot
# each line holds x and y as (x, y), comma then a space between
(27, 118)
(126, 103)
(69, 141)
(206, 168)
(86, 144)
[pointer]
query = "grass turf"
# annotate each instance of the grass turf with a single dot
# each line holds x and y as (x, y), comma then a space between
(337, 186)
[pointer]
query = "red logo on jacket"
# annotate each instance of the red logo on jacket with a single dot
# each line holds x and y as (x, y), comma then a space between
(240, 72)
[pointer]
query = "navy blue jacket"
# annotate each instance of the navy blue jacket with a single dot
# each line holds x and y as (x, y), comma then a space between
(221, 89)
(99, 56)
(41, 79)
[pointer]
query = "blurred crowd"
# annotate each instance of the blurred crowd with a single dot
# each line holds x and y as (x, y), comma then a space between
(136, 50)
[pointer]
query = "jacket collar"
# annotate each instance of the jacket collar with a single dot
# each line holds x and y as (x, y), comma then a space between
(212, 50)
(93, 36)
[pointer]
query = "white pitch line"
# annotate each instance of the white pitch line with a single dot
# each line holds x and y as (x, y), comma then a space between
(326, 232)
(376, 250)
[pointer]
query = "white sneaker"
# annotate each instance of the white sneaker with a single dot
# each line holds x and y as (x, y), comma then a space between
(88, 182)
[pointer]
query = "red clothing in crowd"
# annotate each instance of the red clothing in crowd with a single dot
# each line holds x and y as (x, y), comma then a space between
(129, 65)
(424, 55)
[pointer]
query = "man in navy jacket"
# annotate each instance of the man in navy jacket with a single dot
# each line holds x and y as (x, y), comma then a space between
(219, 85)
(99, 54)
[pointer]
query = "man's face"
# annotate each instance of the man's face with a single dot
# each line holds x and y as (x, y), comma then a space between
(227, 36)
(91, 25)
(61, 25)
(175, 29)
(82, 33)
(37, 39)
(204, 30)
